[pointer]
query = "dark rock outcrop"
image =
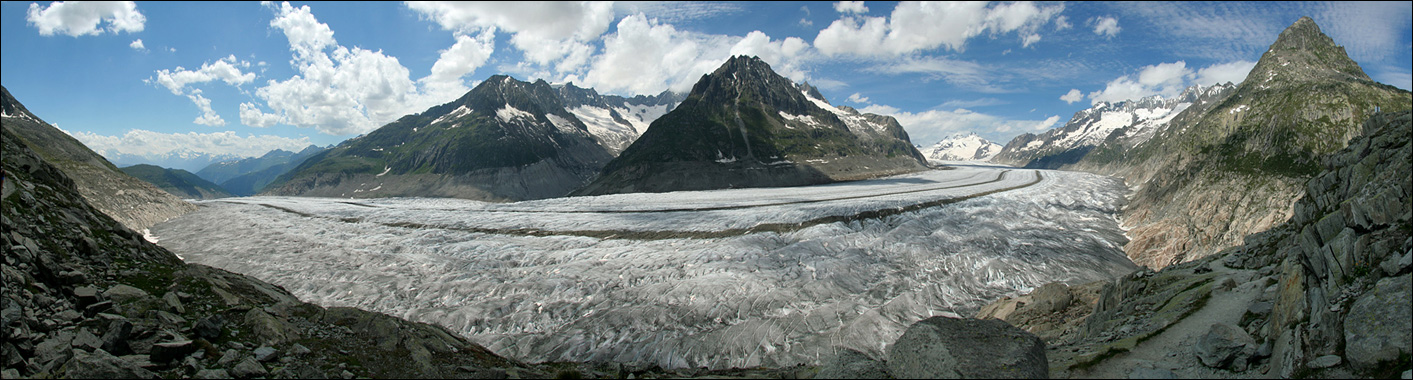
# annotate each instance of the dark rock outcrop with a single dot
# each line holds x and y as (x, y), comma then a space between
(942, 347)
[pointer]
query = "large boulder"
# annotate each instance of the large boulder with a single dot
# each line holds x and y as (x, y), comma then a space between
(851, 364)
(1225, 347)
(1377, 328)
(942, 347)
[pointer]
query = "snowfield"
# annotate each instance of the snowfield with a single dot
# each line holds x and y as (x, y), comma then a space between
(726, 278)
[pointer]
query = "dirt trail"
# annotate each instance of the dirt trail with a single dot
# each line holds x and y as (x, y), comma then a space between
(1172, 350)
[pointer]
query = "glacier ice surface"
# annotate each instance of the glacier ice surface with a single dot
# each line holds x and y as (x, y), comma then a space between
(551, 280)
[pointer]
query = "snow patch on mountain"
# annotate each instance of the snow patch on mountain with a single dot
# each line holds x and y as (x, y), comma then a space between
(458, 112)
(511, 113)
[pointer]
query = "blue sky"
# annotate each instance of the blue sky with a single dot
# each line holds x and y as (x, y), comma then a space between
(242, 78)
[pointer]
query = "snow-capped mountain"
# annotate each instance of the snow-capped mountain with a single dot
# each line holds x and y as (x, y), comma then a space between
(616, 121)
(1133, 121)
(184, 159)
(504, 140)
(967, 147)
(743, 125)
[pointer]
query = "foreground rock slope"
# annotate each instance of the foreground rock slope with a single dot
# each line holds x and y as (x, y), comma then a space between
(1233, 162)
(1325, 294)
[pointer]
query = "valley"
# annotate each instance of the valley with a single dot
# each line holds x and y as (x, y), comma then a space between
(724, 278)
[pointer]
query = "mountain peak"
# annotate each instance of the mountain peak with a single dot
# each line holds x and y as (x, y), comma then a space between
(1303, 53)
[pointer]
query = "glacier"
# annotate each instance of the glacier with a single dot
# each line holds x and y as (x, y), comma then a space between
(721, 279)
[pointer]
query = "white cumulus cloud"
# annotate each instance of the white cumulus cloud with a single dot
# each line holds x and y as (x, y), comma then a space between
(137, 45)
(850, 7)
(918, 26)
(547, 32)
(224, 69)
(929, 127)
(1106, 26)
(148, 143)
(1234, 72)
(208, 116)
(1073, 96)
(1168, 80)
(81, 18)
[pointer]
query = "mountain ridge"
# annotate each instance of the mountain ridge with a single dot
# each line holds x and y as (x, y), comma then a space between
(743, 125)
(131, 201)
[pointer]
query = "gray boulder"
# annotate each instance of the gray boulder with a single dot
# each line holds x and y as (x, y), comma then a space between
(102, 365)
(1225, 347)
(851, 364)
(941, 347)
(248, 368)
(1377, 330)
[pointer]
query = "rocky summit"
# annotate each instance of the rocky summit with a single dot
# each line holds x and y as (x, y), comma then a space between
(743, 125)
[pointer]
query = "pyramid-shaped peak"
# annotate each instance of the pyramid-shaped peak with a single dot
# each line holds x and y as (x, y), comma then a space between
(1303, 34)
(1303, 53)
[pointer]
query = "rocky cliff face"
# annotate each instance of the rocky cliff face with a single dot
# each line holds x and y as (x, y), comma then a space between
(746, 126)
(1234, 160)
(504, 140)
(1237, 167)
(1325, 294)
(136, 204)
(616, 121)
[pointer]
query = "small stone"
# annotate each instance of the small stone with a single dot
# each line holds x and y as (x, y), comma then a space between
(213, 374)
(174, 302)
(86, 295)
(1326, 361)
(166, 352)
(230, 356)
(98, 309)
(345, 374)
(209, 328)
(248, 368)
(266, 353)
(87, 339)
(115, 340)
(298, 349)
(1151, 373)
(68, 315)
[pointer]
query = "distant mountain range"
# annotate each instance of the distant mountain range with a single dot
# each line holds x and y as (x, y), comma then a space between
(743, 125)
(183, 159)
(248, 176)
(179, 182)
(1129, 123)
(963, 147)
